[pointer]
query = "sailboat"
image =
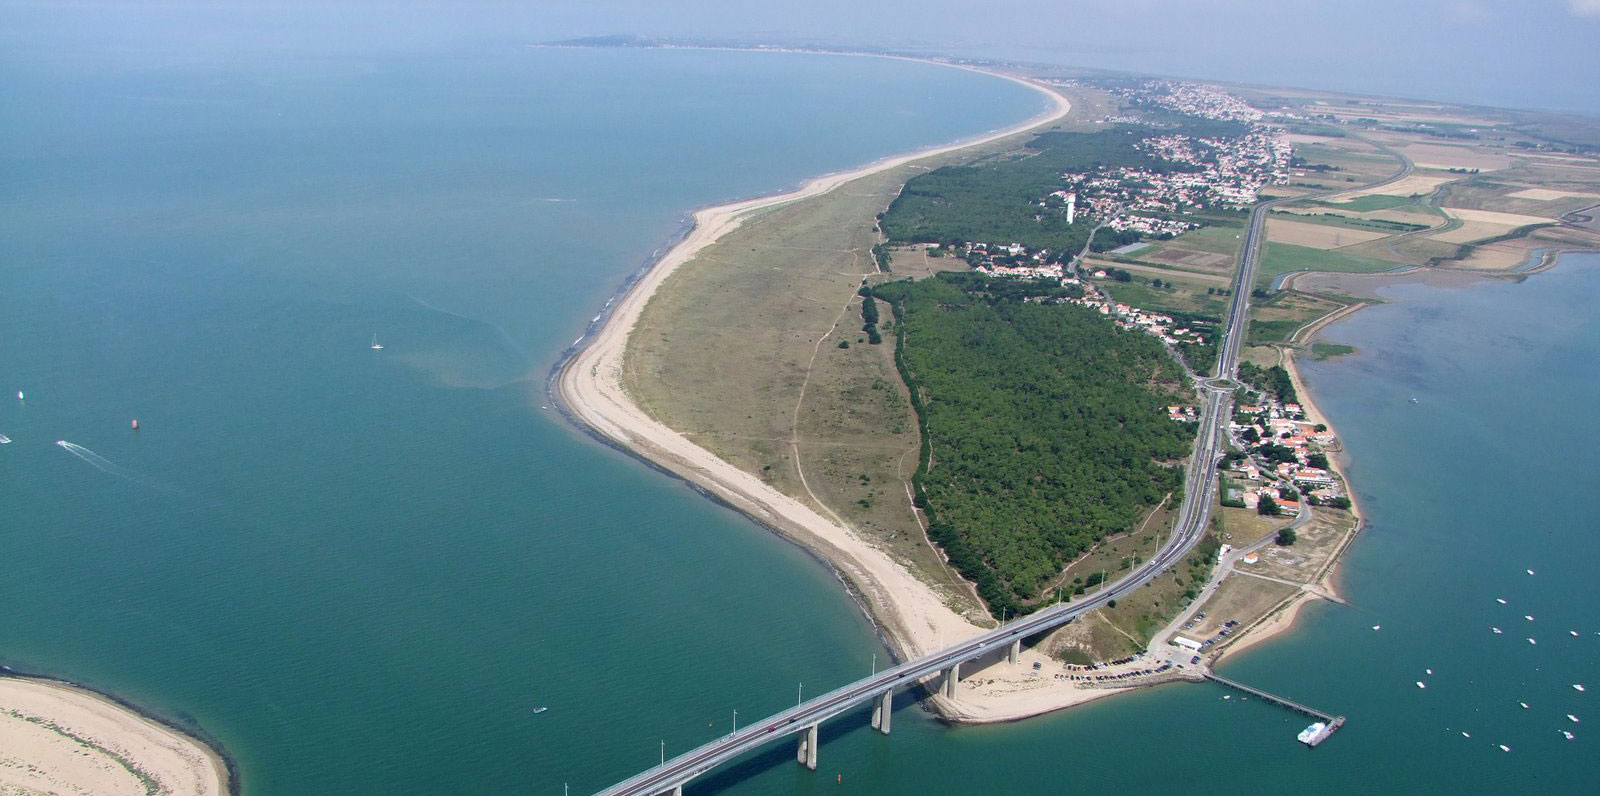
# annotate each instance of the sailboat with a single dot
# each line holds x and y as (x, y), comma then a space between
(376, 346)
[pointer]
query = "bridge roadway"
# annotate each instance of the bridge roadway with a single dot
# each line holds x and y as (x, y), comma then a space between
(1195, 513)
(1216, 410)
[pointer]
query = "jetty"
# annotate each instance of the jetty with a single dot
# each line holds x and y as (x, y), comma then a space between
(1331, 723)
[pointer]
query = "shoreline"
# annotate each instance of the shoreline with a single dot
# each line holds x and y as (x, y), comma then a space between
(1281, 618)
(586, 386)
(195, 763)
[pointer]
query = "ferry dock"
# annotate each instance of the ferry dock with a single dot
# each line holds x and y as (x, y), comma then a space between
(1330, 724)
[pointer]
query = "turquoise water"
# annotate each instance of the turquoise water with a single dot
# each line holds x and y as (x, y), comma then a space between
(360, 570)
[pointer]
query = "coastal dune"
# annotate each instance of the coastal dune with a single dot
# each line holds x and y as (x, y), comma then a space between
(911, 614)
(59, 739)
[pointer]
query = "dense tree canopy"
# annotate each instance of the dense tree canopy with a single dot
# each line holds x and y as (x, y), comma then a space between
(1043, 424)
(998, 202)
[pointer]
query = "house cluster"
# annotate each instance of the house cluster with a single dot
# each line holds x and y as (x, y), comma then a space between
(1283, 425)
(1127, 317)
(1194, 99)
(1219, 172)
(1013, 260)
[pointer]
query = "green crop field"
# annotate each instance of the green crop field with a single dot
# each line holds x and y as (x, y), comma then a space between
(1283, 258)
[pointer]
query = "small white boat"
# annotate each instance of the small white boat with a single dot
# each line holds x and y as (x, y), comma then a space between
(1496, 630)
(1377, 627)
(19, 395)
(376, 346)
(1577, 686)
(1531, 641)
(1500, 600)
(1572, 718)
(1530, 572)
(540, 709)
(1524, 705)
(1466, 734)
(1421, 684)
(1309, 733)
(5, 440)
(1427, 671)
(1574, 633)
(1569, 735)
(1504, 748)
(1529, 618)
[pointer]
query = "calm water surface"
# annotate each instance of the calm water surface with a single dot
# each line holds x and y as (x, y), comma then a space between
(360, 570)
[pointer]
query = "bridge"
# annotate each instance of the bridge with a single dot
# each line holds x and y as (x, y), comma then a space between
(804, 719)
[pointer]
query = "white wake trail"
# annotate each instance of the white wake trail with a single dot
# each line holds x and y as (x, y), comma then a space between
(95, 460)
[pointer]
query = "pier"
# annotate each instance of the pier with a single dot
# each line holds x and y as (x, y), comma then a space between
(1332, 723)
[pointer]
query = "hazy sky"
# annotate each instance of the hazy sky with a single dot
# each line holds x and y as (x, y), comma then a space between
(1528, 53)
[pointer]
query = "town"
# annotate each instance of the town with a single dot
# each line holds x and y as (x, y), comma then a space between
(1285, 459)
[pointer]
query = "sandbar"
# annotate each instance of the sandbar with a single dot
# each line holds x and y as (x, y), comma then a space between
(55, 738)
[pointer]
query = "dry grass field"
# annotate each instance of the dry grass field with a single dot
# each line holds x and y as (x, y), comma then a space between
(1317, 236)
(740, 351)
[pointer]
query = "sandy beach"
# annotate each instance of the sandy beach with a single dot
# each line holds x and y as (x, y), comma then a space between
(911, 615)
(58, 739)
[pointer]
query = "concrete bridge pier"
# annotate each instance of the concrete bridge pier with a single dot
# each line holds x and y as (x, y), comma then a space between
(881, 709)
(952, 676)
(806, 755)
(1015, 655)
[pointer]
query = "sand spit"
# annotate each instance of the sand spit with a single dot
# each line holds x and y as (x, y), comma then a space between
(913, 617)
(55, 738)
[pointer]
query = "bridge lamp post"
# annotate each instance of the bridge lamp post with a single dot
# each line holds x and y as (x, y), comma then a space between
(798, 689)
(735, 722)
(663, 751)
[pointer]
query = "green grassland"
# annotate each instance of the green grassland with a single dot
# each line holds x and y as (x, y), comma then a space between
(1321, 351)
(1369, 224)
(1182, 297)
(1283, 258)
(1275, 319)
(1370, 202)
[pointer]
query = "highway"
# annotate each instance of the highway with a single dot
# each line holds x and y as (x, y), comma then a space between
(1194, 515)
(1233, 341)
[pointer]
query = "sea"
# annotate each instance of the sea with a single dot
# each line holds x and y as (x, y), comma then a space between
(362, 570)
